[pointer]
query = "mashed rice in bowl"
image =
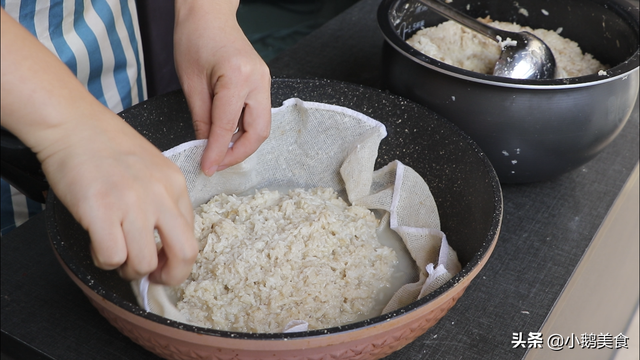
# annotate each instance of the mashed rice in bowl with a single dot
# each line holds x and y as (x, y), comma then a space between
(269, 258)
(459, 46)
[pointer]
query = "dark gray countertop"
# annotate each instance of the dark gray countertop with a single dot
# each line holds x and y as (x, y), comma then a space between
(546, 229)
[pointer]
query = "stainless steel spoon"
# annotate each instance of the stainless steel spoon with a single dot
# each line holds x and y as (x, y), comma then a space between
(523, 56)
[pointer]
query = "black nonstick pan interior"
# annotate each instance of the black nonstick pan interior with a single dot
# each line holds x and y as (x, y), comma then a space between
(460, 177)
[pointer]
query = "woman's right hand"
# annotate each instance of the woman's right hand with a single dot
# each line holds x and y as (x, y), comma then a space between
(121, 188)
(115, 183)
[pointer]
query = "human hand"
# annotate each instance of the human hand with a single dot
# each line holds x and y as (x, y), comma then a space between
(226, 83)
(120, 188)
(115, 183)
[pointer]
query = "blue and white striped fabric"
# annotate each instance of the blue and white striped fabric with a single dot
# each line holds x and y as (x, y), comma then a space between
(99, 40)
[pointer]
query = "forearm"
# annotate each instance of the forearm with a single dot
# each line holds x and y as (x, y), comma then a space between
(221, 12)
(41, 98)
(200, 21)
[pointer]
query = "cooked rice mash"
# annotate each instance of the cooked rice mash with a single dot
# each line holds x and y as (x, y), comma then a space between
(267, 259)
(456, 45)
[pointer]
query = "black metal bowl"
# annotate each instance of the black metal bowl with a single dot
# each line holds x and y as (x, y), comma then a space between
(531, 130)
(460, 177)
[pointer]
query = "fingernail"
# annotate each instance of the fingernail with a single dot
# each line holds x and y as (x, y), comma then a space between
(211, 170)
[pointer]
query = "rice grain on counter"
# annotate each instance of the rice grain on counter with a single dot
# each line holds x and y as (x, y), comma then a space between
(267, 259)
(456, 45)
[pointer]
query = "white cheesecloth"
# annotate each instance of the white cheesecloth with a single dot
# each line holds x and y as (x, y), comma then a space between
(320, 145)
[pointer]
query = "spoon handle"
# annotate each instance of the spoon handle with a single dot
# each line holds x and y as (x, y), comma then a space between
(462, 18)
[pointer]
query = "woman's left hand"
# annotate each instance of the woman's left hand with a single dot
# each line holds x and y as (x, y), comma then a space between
(226, 82)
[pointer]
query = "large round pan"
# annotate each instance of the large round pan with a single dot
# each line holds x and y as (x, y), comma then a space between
(462, 180)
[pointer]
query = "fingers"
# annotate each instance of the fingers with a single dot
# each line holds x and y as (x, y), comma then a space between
(108, 247)
(256, 125)
(131, 248)
(225, 115)
(178, 253)
(128, 244)
(199, 99)
(234, 106)
(173, 218)
(141, 249)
